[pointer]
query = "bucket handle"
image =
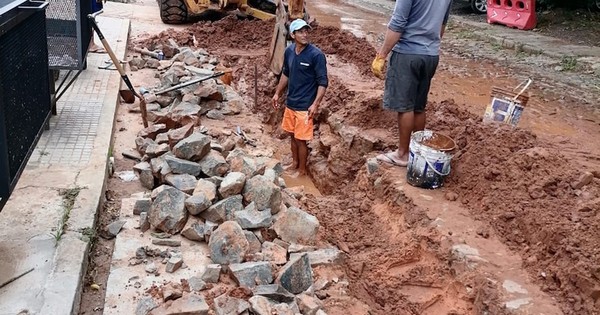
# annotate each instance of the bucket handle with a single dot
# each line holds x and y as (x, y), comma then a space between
(525, 85)
(431, 166)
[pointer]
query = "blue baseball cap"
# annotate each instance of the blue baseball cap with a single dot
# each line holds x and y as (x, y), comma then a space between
(298, 24)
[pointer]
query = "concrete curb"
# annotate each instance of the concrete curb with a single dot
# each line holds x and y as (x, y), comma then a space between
(502, 37)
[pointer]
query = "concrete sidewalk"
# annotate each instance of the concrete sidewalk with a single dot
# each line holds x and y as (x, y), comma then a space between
(70, 157)
(527, 41)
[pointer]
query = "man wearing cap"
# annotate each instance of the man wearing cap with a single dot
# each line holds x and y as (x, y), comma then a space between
(305, 75)
(413, 36)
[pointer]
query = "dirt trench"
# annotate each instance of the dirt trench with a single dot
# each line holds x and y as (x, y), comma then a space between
(397, 263)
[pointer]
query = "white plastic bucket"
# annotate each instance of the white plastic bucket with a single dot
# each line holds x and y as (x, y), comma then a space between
(429, 158)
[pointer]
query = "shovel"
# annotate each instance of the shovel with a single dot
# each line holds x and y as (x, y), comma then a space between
(127, 95)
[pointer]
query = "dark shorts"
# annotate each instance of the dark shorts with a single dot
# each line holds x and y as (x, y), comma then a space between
(407, 82)
(96, 6)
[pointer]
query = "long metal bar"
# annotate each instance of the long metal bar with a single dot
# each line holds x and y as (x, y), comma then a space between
(69, 84)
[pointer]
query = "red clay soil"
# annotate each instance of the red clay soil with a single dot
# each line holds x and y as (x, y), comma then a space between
(524, 188)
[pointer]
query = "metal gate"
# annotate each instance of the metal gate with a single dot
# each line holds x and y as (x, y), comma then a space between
(24, 87)
(69, 33)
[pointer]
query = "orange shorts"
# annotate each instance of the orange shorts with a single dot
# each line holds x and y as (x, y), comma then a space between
(298, 123)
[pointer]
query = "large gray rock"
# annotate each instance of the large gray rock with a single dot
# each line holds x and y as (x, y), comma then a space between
(255, 245)
(251, 274)
(260, 305)
(263, 193)
(183, 182)
(160, 167)
(193, 148)
(326, 256)
(142, 205)
(197, 203)
(114, 228)
(232, 184)
(251, 218)
(274, 253)
(239, 161)
(145, 305)
(176, 135)
(187, 305)
(209, 228)
(168, 212)
(181, 166)
(213, 164)
(227, 305)
(274, 292)
(206, 188)
(223, 210)
(296, 226)
(296, 275)
(228, 244)
(154, 150)
(144, 173)
(185, 113)
(193, 230)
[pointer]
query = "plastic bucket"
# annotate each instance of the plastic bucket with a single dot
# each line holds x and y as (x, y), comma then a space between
(429, 158)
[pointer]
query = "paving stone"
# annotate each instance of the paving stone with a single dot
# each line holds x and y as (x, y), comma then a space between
(154, 150)
(173, 264)
(308, 305)
(193, 230)
(166, 242)
(274, 253)
(326, 256)
(296, 275)
(187, 305)
(263, 193)
(251, 218)
(296, 226)
(193, 148)
(209, 227)
(184, 182)
(255, 245)
(227, 305)
(232, 184)
(196, 284)
(181, 166)
(168, 212)
(145, 305)
(223, 210)
(274, 292)
(151, 131)
(213, 164)
(142, 205)
(197, 203)
(228, 244)
(207, 188)
(143, 171)
(176, 135)
(251, 274)
(115, 227)
(211, 273)
(144, 222)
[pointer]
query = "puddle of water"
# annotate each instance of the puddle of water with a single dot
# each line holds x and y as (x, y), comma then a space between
(304, 181)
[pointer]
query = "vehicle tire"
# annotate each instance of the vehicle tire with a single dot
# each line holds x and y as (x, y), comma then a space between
(479, 6)
(173, 11)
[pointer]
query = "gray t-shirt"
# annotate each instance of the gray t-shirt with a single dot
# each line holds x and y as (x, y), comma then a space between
(420, 22)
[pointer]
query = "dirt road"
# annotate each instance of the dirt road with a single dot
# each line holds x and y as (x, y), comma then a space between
(515, 230)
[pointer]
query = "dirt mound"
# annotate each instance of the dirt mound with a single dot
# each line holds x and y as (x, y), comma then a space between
(332, 40)
(526, 191)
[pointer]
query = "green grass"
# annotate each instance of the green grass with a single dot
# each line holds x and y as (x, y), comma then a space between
(568, 63)
(68, 200)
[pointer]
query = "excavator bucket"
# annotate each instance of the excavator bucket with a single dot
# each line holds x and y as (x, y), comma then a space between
(278, 41)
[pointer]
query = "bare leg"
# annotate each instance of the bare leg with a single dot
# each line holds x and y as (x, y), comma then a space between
(303, 157)
(406, 124)
(419, 121)
(95, 48)
(294, 148)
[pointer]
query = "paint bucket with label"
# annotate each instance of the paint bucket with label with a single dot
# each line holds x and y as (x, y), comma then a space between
(429, 157)
(506, 106)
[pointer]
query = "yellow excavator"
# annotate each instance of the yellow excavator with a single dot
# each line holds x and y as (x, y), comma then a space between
(183, 11)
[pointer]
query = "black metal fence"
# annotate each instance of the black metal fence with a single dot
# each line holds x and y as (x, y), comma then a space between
(69, 33)
(24, 89)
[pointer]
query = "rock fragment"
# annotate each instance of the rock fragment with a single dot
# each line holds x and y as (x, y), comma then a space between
(173, 264)
(181, 166)
(187, 305)
(213, 164)
(115, 227)
(193, 148)
(168, 212)
(583, 180)
(251, 274)
(274, 292)
(145, 305)
(251, 218)
(227, 305)
(296, 275)
(263, 193)
(183, 182)
(144, 172)
(325, 256)
(274, 253)
(232, 184)
(223, 210)
(211, 273)
(142, 205)
(296, 226)
(228, 244)
(193, 230)
(197, 203)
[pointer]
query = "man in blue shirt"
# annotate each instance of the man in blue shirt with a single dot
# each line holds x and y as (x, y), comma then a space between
(413, 36)
(305, 75)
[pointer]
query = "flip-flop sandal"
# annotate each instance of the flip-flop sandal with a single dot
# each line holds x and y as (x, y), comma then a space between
(384, 157)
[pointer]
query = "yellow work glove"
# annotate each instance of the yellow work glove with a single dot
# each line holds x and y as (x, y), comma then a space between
(377, 67)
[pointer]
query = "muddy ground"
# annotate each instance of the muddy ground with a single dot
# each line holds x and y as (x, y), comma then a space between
(525, 185)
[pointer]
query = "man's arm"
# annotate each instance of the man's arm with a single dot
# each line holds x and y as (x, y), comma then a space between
(322, 82)
(395, 26)
(445, 22)
(283, 81)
